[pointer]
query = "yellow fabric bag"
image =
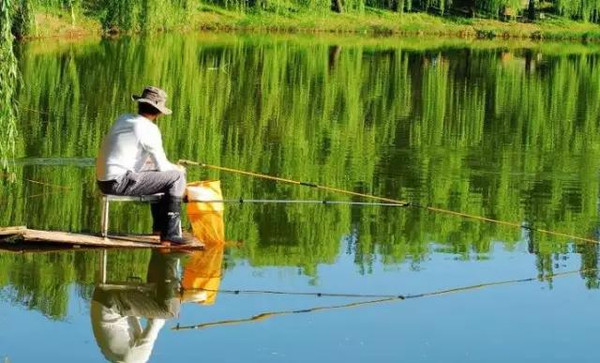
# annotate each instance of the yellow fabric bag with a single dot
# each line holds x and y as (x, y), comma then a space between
(206, 218)
(203, 270)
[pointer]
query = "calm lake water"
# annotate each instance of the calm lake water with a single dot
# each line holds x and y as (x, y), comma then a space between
(507, 131)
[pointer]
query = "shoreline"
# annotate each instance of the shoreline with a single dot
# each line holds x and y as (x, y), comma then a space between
(370, 23)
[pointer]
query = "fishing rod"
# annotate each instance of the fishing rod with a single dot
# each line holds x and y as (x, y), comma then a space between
(390, 200)
(290, 181)
(296, 201)
(380, 300)
(267, 315)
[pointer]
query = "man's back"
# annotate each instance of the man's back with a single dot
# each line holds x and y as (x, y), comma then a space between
(127, 146)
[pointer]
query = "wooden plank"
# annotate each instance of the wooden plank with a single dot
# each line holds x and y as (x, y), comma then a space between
(11, 231)
(123, 286)
(32, 236)
(41, 248)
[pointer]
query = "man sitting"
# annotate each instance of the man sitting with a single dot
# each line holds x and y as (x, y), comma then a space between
(132, 162)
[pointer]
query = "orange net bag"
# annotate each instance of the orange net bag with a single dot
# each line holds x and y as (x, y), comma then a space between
(202, 273)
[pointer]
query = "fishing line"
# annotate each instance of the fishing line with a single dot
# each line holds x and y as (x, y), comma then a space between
(48, 184)
(45, 194)
(76, 162)
(47, 113)
(13, 176)
(392, 201)
(381, 300)
(379, 296)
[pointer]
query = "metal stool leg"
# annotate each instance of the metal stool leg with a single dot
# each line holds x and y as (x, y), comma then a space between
(105, 210)
(102, 271)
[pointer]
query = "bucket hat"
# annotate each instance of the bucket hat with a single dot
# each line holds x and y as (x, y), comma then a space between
(155, 97)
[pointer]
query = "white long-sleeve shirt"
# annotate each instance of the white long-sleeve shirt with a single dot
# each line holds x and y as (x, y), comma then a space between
(122, 338)
(130, 143)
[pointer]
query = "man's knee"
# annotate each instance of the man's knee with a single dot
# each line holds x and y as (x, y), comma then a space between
(179, 183)
(181, 177)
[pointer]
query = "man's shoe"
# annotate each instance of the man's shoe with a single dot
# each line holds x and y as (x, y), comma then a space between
(172, 226)
(172, 233)
(180, 241)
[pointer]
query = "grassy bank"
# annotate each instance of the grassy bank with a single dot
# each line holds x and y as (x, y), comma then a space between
(371, 21)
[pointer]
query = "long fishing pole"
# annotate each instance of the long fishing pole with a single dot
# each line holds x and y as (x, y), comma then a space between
(390, 200)
(296, 201)
(267, 315)
(290, 181)
(380, 300)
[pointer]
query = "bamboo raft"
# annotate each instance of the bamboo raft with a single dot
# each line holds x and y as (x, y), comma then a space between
(12, 238)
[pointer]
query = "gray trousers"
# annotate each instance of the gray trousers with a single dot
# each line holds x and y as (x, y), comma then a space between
(171, 183)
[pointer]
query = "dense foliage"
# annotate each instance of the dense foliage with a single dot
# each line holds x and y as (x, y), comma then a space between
(8, 84)
(141, 15)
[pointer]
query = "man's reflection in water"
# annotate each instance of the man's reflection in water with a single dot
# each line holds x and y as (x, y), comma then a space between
(116, 310)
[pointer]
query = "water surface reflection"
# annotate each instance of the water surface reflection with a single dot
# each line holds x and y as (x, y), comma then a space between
(503, 130)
